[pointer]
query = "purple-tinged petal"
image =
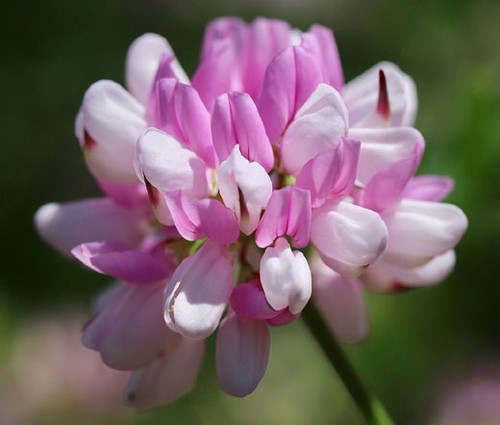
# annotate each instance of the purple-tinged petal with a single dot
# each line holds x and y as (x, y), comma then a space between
(167, 378)
(167, 165)
(66, 225)
(318, 126)
(116, 260)
(112, 121)
(220, 29)
(340, 301)
(321, 42)
(235, 120)
(128, 329)
(383, 146)
(129, 196)
(428, 188)
(199, 291)
(205, 218)
(349, 238)
(181, 114)
(245, 188)
(285, 277)
(143, 58)
(249, 302)
(288, 213)
(422, 229)
(362, 96)
(331, 172)
(242, 354)
(290, 79)
(386, 187)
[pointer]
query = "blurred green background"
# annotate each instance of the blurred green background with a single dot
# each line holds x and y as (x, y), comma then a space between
(52, 51)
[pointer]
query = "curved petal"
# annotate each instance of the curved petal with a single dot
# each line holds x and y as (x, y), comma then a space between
(242, 354)
(428, 188)
(66, 225)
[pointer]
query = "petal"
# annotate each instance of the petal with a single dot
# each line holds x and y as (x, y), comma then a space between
(285, 277)
(318, 126)
(331, 172)
(428, 188)
(168, 166)
(290, 79)
(66, 225)
(235, 120)
(167, 378)
(340, 301)
(348, 237)
(129, 196)
(143, 59)
(288, 212)
(242, 354)
(199, 291)
(383, 146)
(249, 302)
(114, 259)
(113, 121)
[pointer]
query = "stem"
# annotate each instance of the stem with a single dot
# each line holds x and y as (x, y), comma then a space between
(370, 406)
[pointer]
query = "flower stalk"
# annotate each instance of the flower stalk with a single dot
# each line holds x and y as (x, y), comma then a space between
(370, 406)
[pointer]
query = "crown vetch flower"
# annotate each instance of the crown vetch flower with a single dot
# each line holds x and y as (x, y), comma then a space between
(224, 193)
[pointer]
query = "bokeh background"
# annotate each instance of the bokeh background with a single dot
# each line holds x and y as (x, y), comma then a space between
(422, 343)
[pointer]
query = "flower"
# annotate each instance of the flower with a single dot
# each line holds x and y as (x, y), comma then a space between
(223, 193)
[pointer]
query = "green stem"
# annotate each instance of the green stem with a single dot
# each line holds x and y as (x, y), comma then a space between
(370, 406)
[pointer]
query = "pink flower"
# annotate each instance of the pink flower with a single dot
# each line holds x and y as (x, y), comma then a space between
(264, 154)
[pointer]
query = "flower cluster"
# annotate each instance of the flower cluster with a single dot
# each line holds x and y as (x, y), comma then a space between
(261, 181)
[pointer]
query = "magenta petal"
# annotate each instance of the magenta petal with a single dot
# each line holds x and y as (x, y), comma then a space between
(290, 79)
(126, 195)
(249, 302)
(428, 188)
(330, 173)
(288, 213)
(242, 354)
(220, 29)
(117, 261)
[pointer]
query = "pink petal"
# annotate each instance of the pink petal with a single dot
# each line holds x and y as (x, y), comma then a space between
(126, 195)
(143, 59)
(242, 354)
(285, 277)
(235, 120)
(168, 377)
(340, 301)
(348, 237)
(331, 172)
(290, 79)
(249, 302)
(114, 259)
(318, 126)
(66, 225)
(199, 291)
(428, 188)
(220, 29)
(204, 218)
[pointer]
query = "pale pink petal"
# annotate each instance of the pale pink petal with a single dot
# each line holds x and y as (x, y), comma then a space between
(340, 301)
(287, 213)
(235, 120)
(348, 237)
(167, 165)
(331, 172)
(168, 377)
(129, 330)
(126, 195)
(242, 354)
(290, 79)
(383, 146)
(361, 96)
(219, 29)
(386, 187)
(66, 225)
(205, 218)
(116, 260)
(423, 229)
(113, 121)
(199, 291)
(428, 188)
(285, 277)
(318, 126)
(245, 188)
(143, 59)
